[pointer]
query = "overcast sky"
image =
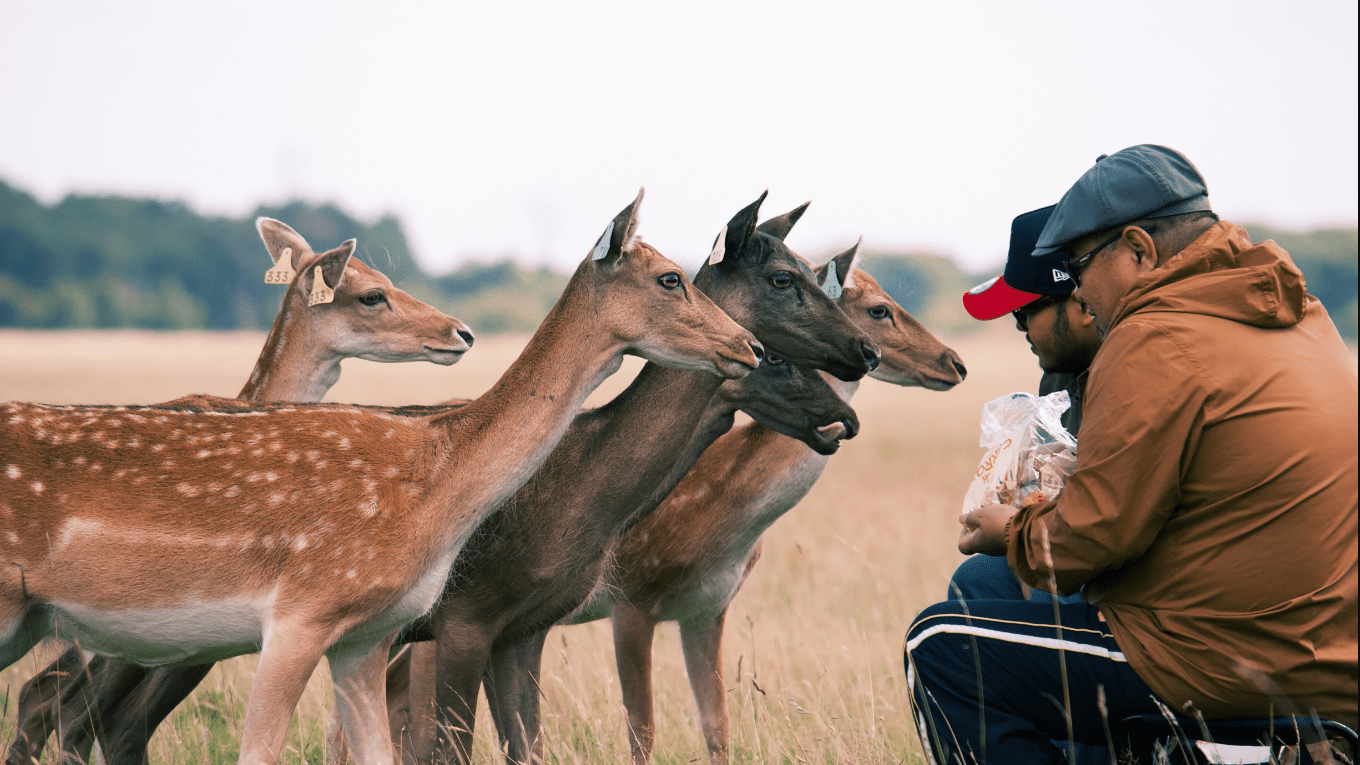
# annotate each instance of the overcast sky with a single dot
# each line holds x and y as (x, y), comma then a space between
(522, 128)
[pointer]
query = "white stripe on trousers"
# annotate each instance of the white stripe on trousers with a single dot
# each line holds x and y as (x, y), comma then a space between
(1008, 637)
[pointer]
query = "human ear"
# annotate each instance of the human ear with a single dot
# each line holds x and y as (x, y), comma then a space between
(1143, 248)
(1078, 314)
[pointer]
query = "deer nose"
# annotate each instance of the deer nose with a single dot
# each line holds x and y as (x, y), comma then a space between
(957, 363)
(757, 350)
(466, 334)
(871, 355)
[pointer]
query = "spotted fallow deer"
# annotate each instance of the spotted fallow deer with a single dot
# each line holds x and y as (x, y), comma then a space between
(367, 317)
(173, 536)
(687, 560)
(542, 555)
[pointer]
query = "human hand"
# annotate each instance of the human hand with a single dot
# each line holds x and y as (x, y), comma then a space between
(984, 530)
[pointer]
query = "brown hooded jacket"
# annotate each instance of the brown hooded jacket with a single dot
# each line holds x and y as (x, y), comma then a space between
(1212, 517)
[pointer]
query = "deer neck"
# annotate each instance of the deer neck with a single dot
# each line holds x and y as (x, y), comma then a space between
(295, 364)
(501, 439)
(650, 429)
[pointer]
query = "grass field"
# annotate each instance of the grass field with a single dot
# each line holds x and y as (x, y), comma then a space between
(813, 644)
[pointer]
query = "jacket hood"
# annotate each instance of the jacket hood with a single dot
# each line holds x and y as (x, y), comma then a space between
(1222, 274)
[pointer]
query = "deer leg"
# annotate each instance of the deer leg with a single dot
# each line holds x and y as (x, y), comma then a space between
(360, 676)
(133, 717)
(512, 693)
(290, 654)
(399, 703)
(461, 650)
(633, 632)
(421, 671)
(39, 700)
(88, 705)
(702, 641)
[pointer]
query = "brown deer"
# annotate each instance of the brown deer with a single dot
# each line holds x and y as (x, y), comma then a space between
(687, 560)
(175, 536)
(539, 558)
(368, 318)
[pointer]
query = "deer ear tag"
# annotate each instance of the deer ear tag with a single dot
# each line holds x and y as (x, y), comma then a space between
(719, 248)
(602, 246)
(320, 292)
(832, 286)
(282, 272)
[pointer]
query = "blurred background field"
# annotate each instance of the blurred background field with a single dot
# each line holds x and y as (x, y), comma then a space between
(816, 633)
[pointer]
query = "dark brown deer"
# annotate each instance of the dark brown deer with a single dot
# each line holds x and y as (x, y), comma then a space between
(175, 536)
(367, 317)
(539, 558)
(687, 560)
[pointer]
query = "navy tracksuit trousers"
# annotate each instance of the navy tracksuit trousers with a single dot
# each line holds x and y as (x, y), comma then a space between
(986, 678)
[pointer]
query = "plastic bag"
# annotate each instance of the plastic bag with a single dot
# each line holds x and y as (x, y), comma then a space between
(1029, 452)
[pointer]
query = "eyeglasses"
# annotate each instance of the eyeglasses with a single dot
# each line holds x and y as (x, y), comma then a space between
(1076, 265)
(1022, 313)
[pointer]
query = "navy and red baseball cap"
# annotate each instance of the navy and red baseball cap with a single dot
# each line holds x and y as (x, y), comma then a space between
(1026, 278)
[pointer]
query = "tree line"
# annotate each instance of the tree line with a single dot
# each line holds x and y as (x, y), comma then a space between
(95, 261)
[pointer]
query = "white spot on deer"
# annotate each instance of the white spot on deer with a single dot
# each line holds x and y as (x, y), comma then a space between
(232, 492)
(276, 498)
(300, 543)
(271, 476)
(293, 456)
(157, 447)
(267, 543)
(275, 447)
(257, 452)
(79, 460)
(202, 453)
(356, 463)
(187, 489)
(14, 472)
(37, 487)
(369, 507)
(11, 537)
(344, 443)
(350, 574)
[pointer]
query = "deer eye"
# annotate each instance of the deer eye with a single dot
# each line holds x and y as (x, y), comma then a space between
(878, 312)
(669, 281)
(773, 360)
(781, 280)
(372, 298)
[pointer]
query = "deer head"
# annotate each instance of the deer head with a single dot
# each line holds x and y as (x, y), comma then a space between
(365, 316)
(912, 356)
(773, 292)
(656, 312)
(794, 401)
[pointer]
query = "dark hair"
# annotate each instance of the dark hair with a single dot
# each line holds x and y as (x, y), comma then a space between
(1176, 232)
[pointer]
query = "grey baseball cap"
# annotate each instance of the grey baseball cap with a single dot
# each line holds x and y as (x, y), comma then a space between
(1144, 181)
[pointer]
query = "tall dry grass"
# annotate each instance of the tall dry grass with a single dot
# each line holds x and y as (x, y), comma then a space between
(813, 645)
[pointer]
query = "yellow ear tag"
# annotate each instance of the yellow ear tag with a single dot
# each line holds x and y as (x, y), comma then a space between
(719, 248)
(320, 292)
(282, 272)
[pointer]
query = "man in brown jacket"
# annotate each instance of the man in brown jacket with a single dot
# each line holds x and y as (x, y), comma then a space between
(1212, 517)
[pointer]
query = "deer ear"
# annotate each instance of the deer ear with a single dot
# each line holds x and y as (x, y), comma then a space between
(732, 240)
(278, 237)
(331, 268)
(838, 273)
(620, 231)
(780, 225)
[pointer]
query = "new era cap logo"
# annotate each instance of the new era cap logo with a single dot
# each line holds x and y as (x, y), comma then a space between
(1059, 276)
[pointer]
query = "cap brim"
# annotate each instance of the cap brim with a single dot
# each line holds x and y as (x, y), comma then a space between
(992, 301)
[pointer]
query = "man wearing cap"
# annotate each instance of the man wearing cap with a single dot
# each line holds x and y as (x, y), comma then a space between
(1211, 521)
(1037, 292)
